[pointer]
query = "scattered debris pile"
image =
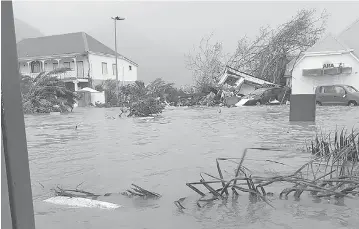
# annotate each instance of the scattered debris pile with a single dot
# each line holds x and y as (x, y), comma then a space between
(327, 175)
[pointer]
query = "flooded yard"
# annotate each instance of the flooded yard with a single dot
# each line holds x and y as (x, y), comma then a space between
(107, 154)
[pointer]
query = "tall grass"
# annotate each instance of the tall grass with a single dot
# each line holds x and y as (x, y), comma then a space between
(341, 144)
(333, 172)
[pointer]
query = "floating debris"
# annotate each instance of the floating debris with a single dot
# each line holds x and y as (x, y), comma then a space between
(141, 192)
(77, 193)
(81, 202)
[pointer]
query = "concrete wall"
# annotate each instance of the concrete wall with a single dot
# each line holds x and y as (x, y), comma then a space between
(124, 71)
(307, 84)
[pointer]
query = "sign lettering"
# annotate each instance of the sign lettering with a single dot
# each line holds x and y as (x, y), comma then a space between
(328, 65)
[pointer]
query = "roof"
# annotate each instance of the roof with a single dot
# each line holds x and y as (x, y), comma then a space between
(347, 40)
(328, 43)
(350, 37)
(70, 43)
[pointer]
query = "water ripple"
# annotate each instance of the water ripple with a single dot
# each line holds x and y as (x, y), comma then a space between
(164, 153)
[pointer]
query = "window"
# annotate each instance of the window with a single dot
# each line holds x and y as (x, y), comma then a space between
(350, 89)
(104, 68)
(267, 93)
(321, 89)
(339, 90)
(35, 67)
(66, 64)
(114, 69)
(329, 89)
(130, 67)
(55, 65)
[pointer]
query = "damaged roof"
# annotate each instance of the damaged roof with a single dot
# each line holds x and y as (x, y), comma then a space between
(238, 74)
(69, 43)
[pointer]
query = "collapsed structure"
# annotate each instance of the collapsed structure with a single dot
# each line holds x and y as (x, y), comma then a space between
(244, 82)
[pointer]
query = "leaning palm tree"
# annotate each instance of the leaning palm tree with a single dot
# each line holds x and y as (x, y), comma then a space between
(159, 88)
(46, 93)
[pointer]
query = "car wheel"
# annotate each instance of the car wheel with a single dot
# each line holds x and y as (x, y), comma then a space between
(258, 103)
(319, 103)
(352, 103)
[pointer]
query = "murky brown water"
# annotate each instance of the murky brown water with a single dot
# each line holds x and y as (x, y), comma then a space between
(163, 154)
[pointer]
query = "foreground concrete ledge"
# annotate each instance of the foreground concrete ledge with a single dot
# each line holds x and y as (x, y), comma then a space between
(302, 108)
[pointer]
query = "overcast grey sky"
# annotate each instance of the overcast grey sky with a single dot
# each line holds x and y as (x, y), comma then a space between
(171, 29)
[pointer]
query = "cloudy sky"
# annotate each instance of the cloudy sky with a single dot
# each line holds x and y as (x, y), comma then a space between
(157, 35)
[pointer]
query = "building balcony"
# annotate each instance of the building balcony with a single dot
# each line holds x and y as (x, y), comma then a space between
(69, 75)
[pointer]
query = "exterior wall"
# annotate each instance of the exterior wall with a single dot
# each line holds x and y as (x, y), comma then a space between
(307, 84)
(98, 97)
(123, 68)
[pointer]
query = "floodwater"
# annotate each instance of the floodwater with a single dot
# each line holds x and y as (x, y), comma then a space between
(107, 154)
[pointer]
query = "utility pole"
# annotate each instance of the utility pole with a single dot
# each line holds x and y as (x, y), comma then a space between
(115, 19)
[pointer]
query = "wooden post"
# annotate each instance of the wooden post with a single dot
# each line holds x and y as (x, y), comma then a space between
(13, 128)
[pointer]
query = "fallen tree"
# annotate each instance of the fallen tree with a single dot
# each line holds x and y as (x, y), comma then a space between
(264, 57)
(267, 56)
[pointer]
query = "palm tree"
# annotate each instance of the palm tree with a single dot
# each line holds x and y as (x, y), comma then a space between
(46, 93)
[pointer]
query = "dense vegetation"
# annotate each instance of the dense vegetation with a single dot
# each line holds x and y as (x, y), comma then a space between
(46, 93)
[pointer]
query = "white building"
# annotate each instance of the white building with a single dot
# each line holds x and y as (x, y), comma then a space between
(332, 60)
(89, 59)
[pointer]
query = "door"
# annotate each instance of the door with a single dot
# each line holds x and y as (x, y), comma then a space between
(35, 67)
(339, 96)
(327, 94)
(85, 99)
(320, 95)
(80, 69)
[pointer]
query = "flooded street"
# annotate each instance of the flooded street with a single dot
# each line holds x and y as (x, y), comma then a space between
(107, 154)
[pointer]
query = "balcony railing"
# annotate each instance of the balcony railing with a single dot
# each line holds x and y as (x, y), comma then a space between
(62, 76)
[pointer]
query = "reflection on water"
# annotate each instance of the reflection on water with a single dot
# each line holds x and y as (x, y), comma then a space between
(162, 154)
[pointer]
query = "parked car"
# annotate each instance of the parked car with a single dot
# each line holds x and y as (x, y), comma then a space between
(337, 94)
(263, 96)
